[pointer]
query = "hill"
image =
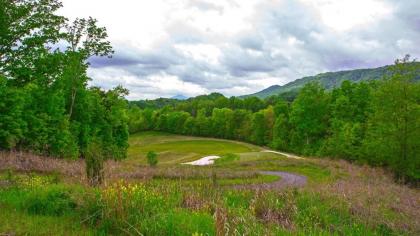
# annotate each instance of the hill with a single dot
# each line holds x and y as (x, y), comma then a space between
(179, 97)
(329, 80)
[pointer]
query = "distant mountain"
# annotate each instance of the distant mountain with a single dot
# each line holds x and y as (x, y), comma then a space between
(179, 97)
(329, 80)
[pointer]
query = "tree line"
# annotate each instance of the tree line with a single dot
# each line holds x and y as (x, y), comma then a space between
(375, 122)
(46, 105)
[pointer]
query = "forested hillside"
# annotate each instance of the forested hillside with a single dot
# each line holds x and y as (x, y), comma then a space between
(46, 105)
(76, 159)
(328, 80)
(376, 122)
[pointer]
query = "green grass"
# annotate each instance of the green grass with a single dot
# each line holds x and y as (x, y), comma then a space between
(45, 209)
(225, 159)
(276, 162)
(174, 149)
(189, 200)
(15, 222)
(166, 207)
(259, 179)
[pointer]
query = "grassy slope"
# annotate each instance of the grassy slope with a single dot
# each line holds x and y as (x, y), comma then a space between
(340, 198)
(173, 149)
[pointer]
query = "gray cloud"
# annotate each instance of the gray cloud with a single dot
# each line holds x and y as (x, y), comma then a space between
(285, 40)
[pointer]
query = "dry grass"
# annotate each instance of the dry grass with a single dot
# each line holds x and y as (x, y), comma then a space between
(182, 172)
(373, 195)
(265, 208)
(26, 162)
(71, 169)
(75, 169)
(196, 202)
(221, 224)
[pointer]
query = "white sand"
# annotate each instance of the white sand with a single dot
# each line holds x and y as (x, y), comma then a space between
(209, 160)
(284, 154)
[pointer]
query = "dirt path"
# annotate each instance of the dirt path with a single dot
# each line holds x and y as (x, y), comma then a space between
(287, 180)
(284, 154)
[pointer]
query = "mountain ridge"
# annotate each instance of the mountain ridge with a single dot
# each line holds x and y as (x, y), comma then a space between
(329, 80)
(179, 97)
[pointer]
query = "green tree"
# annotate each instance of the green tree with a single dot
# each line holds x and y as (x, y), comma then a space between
(281, 133)
(12, 125)
(152, 158)
(203, 123)
(258, 128)
(26, 27)
(309, 119)
(94, 163)
(242, 124)
(85, 39)
(39, 109)
(222, 123)
(189, 126)
(394, 127)
(350, 106)
(269, 120)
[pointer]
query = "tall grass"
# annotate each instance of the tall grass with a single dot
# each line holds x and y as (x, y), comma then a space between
(183, 201)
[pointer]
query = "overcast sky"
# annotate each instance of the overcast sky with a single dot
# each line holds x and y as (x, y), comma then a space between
(235, 47)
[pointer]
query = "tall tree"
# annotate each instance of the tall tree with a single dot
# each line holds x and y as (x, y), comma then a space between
(350, 106)
(309, 118)
(27, 27)
(85, 39)
(258, 128)
(394, 127)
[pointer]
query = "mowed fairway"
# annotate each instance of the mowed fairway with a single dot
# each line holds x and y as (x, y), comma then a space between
(174, 149)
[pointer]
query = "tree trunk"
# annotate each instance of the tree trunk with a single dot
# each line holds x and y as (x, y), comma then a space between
(73, 98)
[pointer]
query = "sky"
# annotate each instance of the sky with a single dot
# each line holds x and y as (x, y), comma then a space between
(165, 48)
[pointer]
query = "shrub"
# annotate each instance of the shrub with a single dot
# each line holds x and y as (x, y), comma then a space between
(94, 164)
(152, 158)
(53, 201)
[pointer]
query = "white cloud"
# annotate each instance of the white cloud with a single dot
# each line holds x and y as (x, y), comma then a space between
(343, 15)
(190, 47)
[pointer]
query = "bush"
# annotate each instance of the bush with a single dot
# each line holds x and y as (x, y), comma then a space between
(152, 158)
(94, 164)
(52, 201)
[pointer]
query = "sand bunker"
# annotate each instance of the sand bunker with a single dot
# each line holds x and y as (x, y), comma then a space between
(209, 160)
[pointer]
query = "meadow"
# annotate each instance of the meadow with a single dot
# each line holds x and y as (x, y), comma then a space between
(44, 196)
(79, 158)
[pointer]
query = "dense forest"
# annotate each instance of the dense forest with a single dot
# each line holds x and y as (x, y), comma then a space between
(46, 105)
(376, 122)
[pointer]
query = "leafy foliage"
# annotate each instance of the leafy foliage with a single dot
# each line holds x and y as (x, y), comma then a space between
(152, 158)
(375, 122)
(46, 105)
